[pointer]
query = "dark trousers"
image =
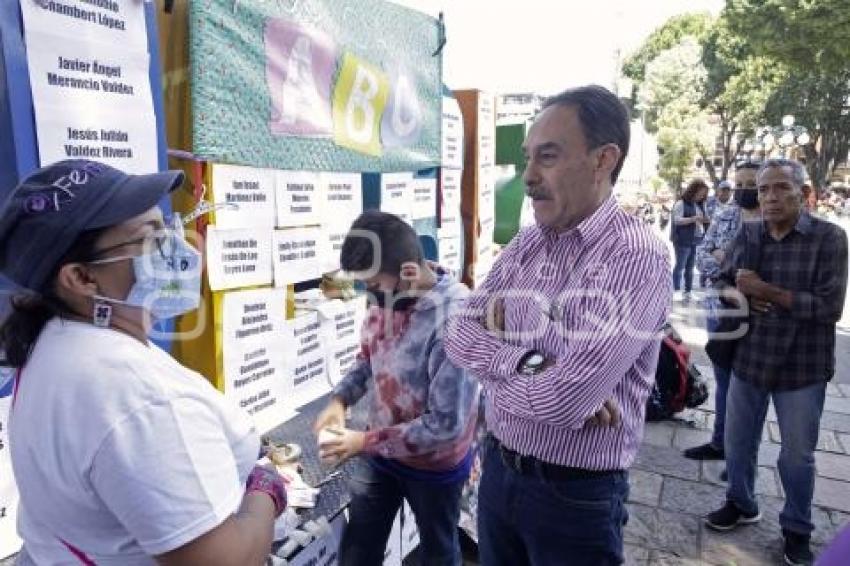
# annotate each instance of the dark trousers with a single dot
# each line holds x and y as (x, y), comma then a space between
(376, 497)
(525, 519)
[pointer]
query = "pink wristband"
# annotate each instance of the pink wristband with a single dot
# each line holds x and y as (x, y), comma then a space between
(269, 482)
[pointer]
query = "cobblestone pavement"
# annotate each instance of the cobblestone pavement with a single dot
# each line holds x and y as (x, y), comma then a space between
(670, 494)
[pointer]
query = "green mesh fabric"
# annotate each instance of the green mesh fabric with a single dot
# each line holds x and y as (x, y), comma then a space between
(230, 99)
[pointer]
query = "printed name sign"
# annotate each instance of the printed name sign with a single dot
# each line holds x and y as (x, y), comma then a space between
(300, 198)
(298, 255)
(238, 258)
(254, 332)
(250, 194)
(306, 357)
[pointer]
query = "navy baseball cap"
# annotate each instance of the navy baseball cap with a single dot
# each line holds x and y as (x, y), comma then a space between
(49, 209)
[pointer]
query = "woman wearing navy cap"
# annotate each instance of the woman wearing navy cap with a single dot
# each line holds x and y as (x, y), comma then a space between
(121, 455)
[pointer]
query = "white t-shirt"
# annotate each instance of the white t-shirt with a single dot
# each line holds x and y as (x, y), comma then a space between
(119, 451)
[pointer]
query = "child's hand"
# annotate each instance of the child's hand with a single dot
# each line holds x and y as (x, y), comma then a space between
(347, 445)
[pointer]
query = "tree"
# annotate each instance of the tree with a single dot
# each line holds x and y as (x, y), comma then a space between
(811, 40)
(820, 103)
(736, 87)
(667, 36)
(739, 85)
(799, 33)
(669, 100)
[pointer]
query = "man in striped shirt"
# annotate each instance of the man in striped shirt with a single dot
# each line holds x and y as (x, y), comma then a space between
(564, 336)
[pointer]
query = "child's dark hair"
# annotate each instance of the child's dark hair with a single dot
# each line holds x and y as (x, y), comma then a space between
(398, 241)
(31, 312)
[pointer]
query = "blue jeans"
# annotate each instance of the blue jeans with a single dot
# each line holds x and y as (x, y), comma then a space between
(376, 497)
(798, 412)
(721, 376)
(529, 520)
(685, 256)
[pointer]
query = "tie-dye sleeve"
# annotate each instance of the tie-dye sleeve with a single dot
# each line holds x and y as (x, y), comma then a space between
(445, 421)
(353, 386)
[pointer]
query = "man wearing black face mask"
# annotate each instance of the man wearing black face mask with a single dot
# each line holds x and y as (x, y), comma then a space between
(710, 255)
(422, 408)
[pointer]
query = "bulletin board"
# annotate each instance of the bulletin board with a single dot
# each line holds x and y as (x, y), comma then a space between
(320, 85)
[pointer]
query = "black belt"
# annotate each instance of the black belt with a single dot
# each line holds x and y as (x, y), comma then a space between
(529, 465)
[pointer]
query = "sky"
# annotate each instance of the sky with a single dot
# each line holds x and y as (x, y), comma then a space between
(545, 46)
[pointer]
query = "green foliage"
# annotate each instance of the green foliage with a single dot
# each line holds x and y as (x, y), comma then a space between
(809, 42)
(669, 99)
(669, 35)
(799, 33)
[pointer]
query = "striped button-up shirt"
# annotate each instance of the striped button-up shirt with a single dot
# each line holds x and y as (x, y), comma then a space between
(593, 299)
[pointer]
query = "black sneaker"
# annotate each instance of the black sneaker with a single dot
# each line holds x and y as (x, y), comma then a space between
(705, 452)
(797, 551)
(729, 516)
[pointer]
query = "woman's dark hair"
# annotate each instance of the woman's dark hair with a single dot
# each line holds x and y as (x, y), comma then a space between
(693, 189)
(397, 241)
(30, 312)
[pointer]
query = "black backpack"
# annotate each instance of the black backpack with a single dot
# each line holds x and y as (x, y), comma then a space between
(678, 383)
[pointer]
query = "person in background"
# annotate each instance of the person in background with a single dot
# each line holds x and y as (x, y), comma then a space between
(689, 222)
(710, 254)
(422, 408)
(722, 197)
(796, 295)
(564, 335)
(810, 197)
(121, 455)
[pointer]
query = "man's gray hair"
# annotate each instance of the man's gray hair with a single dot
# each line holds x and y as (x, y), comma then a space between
(798, 172)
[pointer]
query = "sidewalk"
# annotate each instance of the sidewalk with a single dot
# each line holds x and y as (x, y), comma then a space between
(670, 494)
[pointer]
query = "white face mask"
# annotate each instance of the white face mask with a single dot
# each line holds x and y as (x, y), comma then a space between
(168, 279)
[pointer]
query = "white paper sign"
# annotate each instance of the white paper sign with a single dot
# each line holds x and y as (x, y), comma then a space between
(298, 255)
(424, 198)
(392, 554)
(486, 193)
(254, 333)
(92, 102)
(334, 237)
(342, 322)
(450, 253)
(452, 140)
(323, 551)
(488, 229)
(343, 196)
(123, 140)
(486, 130)
(483, 264)
(306, 358)
(251, 190)
(65, 71)
(450, 216)
(115, 23)
(409, 531)
(450, 180)
(397, 195)
(300, 197)
(239, 258)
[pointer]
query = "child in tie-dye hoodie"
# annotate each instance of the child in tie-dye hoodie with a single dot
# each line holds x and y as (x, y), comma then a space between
(422, 408)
